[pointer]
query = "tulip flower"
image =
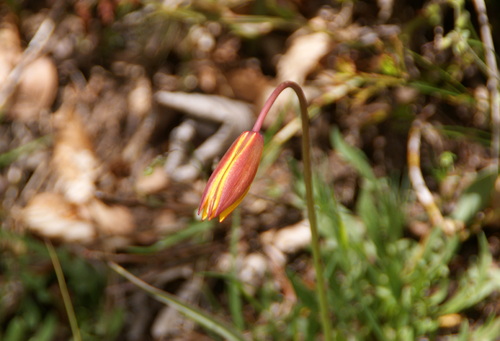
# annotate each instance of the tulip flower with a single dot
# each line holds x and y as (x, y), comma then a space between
(231, 180)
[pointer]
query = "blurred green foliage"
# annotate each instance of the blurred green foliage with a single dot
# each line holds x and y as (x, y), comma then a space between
(31, 306)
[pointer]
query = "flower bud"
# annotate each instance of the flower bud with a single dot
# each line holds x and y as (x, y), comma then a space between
(231, 180)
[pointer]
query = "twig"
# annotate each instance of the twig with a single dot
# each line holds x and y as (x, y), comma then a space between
(232, 115)
(493, 76)
(423, 193)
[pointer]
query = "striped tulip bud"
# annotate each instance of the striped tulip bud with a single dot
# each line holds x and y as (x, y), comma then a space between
(231, 180)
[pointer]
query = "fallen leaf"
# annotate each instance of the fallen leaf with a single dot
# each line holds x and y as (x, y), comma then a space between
(153, 182)
(73, 158)
(36, 90)
(289, 239)
(303, 56)
(111, 220)
(50, 215)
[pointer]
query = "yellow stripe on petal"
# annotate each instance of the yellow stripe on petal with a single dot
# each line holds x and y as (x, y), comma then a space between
(231, 208)
(214, 192)
(239, 149)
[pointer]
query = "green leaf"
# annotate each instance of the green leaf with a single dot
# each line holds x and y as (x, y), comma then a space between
(47, 330)
(16, 330)
(480, 281)
(352, 155)
(488, 331)
(476, 197)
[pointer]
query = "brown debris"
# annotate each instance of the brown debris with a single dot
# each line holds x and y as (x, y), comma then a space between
(51, 216)
(74, 159)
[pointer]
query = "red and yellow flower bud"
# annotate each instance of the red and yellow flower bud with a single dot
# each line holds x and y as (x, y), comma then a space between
(231, 180)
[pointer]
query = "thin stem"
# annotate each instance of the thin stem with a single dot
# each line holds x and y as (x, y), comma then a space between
(306, 154)
(270, 101)
(64, 292)
(492, 84)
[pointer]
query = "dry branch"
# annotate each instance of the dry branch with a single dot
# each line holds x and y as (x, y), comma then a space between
(489, 54)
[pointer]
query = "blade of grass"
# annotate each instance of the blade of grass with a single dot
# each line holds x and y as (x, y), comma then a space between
(201, 317)
(64, 291)
(12, 155)
(47, 330)
(480, 281)
(192, 230)
(353, 156)
(487, 331)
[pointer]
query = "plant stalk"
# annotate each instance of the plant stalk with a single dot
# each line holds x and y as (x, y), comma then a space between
(308, 181)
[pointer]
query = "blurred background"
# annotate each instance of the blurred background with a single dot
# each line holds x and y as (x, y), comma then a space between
(115, 112)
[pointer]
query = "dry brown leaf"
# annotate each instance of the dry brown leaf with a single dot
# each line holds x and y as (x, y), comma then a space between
(50, 215)
(296, 64)
(289, 239)
(153, 182)
(140, 97)
(73, 159)
(302, 57)
(277, 244)
(168, 222)
(252, 272)
(10, 46)
(111, 220)
(251, 269)
(247, 82)
(36, 91)
(31, 88)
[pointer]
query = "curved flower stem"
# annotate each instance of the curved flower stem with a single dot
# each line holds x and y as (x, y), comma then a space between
(306, 154)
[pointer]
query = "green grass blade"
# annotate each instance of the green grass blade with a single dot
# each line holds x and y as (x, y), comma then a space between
(480, 281)
(192, 230)
(47, 330)
(352, 155)
(75, 330)
(12, 155)
(197, 315)
(488, 331)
